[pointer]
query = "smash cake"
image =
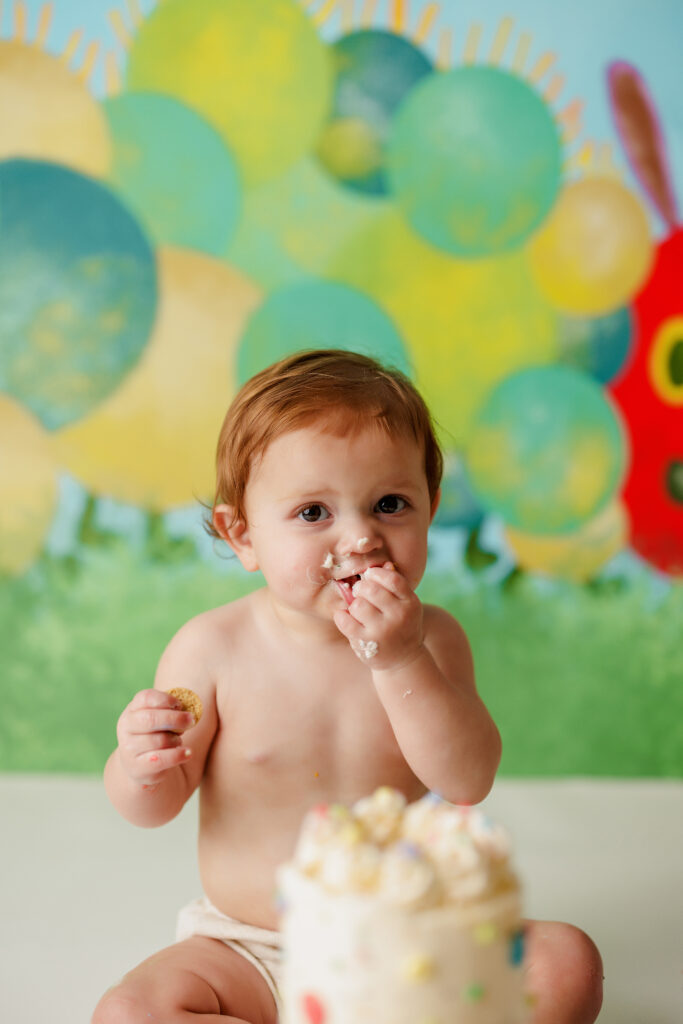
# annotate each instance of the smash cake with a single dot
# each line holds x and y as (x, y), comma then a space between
(397, 913)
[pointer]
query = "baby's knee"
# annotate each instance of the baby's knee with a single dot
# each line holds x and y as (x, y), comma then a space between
(566, 971)
(118, 1006)
(149, 995)
(585, 969)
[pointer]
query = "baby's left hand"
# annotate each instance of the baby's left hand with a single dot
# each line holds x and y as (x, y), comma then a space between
(383, 624)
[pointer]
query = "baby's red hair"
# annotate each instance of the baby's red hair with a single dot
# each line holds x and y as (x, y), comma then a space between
(345, 390)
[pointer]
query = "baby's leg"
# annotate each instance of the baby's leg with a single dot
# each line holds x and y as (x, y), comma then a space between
(564, 973)
(198, 981)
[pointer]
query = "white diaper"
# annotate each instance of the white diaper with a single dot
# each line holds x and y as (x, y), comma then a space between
(257, 945)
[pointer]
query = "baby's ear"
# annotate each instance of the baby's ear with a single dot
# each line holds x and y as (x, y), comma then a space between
(236, 534)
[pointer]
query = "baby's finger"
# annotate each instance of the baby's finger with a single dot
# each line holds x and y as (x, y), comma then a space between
(390, 579)
(149, 720)
(154, 762)
(373, 594)
(144, 743)
(347, 625)
(367, 614)
(153, 699)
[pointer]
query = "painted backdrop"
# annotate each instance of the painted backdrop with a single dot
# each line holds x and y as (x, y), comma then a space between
(483, 195)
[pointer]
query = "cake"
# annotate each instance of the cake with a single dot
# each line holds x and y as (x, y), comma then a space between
(396, 913)
(188, 700)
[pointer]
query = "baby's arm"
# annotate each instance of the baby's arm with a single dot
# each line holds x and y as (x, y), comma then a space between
(161, 753)
(424, 676)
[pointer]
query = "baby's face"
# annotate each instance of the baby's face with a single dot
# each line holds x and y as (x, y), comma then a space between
(321, 509)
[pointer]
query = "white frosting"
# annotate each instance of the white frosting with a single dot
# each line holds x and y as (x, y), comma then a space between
(365, 649)
(401, 914)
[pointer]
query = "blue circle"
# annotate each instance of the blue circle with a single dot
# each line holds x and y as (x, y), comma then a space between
(375, 72)
(597, 345)
(78, 290)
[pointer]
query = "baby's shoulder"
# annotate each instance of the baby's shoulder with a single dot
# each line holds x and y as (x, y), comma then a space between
(211, 632)
(445, 637)
(438, 621)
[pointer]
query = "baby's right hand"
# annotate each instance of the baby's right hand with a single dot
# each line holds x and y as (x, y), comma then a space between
(149, 735)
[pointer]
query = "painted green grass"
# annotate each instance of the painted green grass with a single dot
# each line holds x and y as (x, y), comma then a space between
(580, 682)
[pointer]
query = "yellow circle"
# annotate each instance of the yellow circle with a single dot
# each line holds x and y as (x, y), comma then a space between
(28, 487)
(594, 250)
(349, 148)
(667, 345)
(468, 323)
(258, 72)
(152, 443)
(48, 113)
(276, 246)
(577, 556)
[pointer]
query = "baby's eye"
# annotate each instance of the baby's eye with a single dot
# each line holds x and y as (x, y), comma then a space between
(390, 504)
(313, 513)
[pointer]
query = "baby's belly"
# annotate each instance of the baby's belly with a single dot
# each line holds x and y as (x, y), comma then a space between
(243, 839)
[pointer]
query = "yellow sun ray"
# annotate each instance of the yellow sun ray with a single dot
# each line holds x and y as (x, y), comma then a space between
(501, 40)
(521, 52)
(554, 88)
(398, 16)
(20, 21)
(444, 53)
(112, 75)
(472, 44)
(328, 8)
(346, 15)
(569, 120)
(72, 44)
(542, 65)
(44, 22)
(426, 22)
(135, 11)
(89, 59)
(585, 157)
(120, 29)
(367, 14)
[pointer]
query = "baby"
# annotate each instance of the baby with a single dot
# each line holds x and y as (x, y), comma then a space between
(327, 682)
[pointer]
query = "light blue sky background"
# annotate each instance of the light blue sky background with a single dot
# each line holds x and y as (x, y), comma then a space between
(585, 34)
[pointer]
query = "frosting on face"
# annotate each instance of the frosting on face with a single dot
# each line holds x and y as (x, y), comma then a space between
(425, 854)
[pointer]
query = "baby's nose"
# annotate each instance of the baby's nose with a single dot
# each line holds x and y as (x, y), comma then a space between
(360, 545)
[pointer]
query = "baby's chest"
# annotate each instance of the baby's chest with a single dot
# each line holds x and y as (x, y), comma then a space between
(294, 739)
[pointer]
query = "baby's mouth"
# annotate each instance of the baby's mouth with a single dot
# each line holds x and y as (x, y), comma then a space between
(346, 585)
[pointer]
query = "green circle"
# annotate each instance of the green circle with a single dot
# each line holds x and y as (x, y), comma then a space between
(174, 171)
(546, 452)
(318, 314)
(474, 160)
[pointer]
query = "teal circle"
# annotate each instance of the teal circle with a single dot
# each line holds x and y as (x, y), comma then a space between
(474, 160)
(174, 171)
(78, 290)
(458, 507)
(318, 314)
(375, 71)
(531, 439)
(597, 345)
